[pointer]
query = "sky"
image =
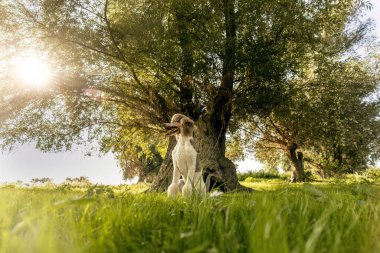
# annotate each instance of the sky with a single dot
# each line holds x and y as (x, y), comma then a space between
(26, 162)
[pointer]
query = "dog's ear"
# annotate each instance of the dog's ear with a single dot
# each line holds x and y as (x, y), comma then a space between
(177, 118)
(188, 127)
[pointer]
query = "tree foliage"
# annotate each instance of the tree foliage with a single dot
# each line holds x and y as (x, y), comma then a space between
(330, 114)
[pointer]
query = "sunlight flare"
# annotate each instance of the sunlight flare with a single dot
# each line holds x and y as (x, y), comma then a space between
(33, 71)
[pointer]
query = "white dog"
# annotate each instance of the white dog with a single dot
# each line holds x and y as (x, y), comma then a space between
(185, 158)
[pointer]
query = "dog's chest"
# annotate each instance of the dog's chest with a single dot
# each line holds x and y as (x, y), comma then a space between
(184, 155)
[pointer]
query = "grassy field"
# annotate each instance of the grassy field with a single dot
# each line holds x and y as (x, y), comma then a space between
(278, 217)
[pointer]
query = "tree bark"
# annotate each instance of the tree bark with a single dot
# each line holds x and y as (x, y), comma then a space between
(338, 154)
(213, 161)
(141, 175)
(164, 176)
(297, 163)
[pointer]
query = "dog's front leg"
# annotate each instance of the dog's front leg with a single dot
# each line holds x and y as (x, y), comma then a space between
(174, 187)
(188, 188)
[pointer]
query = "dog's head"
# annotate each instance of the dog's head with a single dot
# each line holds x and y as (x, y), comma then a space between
(181, 125)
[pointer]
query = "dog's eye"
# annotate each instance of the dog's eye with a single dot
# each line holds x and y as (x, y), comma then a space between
(188, 123)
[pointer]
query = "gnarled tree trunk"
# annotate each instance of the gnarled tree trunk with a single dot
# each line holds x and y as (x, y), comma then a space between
(142, 175)
(210, 146)
(210, 141)
(296, 161)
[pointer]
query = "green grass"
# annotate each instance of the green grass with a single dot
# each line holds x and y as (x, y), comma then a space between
(260, 174)
(276, 218)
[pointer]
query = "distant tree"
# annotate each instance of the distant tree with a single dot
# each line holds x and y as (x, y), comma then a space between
(43, 180)
(329, 116)
(78, 181)
(145, 165)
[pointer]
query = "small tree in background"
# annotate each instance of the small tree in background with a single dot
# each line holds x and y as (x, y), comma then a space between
(42, 181)
(329, 120)
(145, 165)
(78, 181)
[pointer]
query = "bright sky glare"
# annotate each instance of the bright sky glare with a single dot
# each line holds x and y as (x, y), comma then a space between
(26, 162)
(33, 71)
